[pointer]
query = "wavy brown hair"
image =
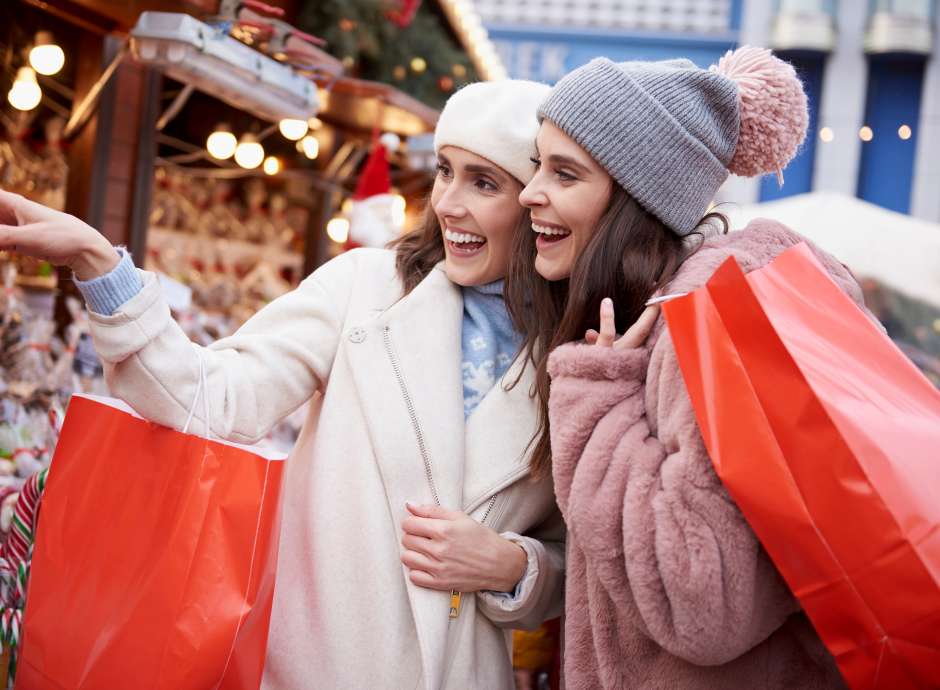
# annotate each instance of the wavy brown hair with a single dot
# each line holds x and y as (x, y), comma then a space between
(417, 252)
(630, 256)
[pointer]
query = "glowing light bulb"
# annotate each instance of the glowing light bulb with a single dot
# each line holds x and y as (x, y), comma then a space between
(221, 144)
(826, 135)
(293, 129)
(904, 132)
(865, 133)
(25, 93)
(310, 146)
(249, 153)
(272, 165)
(338, 230)
(46, 57)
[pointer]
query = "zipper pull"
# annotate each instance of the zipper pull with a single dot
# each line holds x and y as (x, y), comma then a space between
(454, 603)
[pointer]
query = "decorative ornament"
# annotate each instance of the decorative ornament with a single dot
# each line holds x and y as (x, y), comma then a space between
(418, 64)
(445, 83)
(399, 72)
(404, 13)
(346, 24)
(374, 212)
(459, 71)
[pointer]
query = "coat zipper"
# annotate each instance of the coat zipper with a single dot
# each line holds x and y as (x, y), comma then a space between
(455, 596)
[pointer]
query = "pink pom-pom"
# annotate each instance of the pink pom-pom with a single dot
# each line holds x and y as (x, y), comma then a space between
(772, 106)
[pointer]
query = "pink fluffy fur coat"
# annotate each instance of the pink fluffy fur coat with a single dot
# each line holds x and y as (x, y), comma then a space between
(667, 586)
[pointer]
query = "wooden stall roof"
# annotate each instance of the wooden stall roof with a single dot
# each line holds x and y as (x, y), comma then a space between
(349, 103)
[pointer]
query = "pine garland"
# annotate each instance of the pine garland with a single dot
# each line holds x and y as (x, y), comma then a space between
(374, 47)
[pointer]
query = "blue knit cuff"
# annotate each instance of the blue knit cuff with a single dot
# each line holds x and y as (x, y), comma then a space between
(105, 294)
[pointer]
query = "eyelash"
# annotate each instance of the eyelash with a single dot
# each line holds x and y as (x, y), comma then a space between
(485, 185)
(562, 175)
(443, 170)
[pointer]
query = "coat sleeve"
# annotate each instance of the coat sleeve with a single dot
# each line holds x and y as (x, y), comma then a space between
(646, 508)
(539, 596)
(257, 376)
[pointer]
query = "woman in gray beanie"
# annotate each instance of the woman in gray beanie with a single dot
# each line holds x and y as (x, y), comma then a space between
(667, 585)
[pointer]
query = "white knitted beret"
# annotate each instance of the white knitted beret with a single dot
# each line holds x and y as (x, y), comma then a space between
(496, 120)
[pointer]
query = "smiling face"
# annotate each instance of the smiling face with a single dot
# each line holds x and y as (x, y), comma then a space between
(567, 197)
(477, 207)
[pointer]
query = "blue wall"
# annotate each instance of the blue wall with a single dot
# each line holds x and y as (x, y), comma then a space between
(886, 171)
(798, 176)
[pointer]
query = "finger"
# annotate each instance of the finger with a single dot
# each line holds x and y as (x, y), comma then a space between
(608, 330)
(637, 334)
(29, 239)
(428, 581)
(428, 547)
(418, 561)
(422, 527)
(431, 511)
(590, 336)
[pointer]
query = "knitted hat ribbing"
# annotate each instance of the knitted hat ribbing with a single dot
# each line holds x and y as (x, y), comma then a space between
(670, 132)
(495, 120)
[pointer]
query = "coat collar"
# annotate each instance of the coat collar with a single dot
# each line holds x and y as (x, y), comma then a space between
(406, 364)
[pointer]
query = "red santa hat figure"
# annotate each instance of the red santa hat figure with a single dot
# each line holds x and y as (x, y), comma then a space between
(376, 216)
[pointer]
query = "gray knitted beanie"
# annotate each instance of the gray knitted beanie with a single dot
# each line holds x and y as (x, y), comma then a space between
(670, 132)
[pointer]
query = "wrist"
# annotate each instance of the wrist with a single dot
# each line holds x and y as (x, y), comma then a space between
(97, 259)
(516, 562)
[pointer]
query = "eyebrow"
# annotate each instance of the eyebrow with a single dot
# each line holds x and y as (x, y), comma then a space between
(557, 159)
(485, 170)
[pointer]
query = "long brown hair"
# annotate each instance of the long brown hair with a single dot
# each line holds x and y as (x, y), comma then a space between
(629, 256)
(417, 252)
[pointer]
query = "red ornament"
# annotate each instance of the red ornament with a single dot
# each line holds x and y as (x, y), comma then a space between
(402, 15)
(445, 83)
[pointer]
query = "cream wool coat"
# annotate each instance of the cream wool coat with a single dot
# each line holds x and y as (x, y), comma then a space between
(384, 373)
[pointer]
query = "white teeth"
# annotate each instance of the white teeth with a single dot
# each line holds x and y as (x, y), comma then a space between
(462, 237)
(549, 231)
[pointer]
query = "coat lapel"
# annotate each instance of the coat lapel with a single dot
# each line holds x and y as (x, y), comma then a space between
(406, 366)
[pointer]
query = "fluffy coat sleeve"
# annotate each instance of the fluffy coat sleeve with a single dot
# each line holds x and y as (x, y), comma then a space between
(642, 502)
(269, 367)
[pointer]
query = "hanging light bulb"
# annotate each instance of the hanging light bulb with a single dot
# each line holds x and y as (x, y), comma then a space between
(46, 57)
(272, 165)
(338, 230)
(310, 146)
(221, 144)
(249, 153)
(293, 129)
(25, 93)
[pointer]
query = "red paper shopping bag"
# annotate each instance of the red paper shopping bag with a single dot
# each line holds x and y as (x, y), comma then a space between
(828, 439)
(154, 560)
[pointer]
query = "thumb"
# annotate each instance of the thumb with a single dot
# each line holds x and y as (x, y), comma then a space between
(428, 511)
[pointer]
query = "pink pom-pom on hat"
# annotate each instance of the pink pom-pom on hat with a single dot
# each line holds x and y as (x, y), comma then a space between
(772, 107)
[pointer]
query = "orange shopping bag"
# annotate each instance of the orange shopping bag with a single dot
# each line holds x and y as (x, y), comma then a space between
(828, 439)
(154, 560)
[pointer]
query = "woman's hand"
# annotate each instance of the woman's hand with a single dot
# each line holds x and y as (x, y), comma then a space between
(450, 551)
(30, 228)
(635, 336)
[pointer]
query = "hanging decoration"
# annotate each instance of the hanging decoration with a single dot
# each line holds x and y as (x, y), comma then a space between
(404, 13)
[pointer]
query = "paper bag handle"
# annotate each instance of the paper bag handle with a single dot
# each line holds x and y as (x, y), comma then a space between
(202, 389)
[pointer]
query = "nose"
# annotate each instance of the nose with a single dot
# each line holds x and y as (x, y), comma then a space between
(532, 195)
(450, 204)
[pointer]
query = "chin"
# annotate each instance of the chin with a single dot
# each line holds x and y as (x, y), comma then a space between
(551, 270)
